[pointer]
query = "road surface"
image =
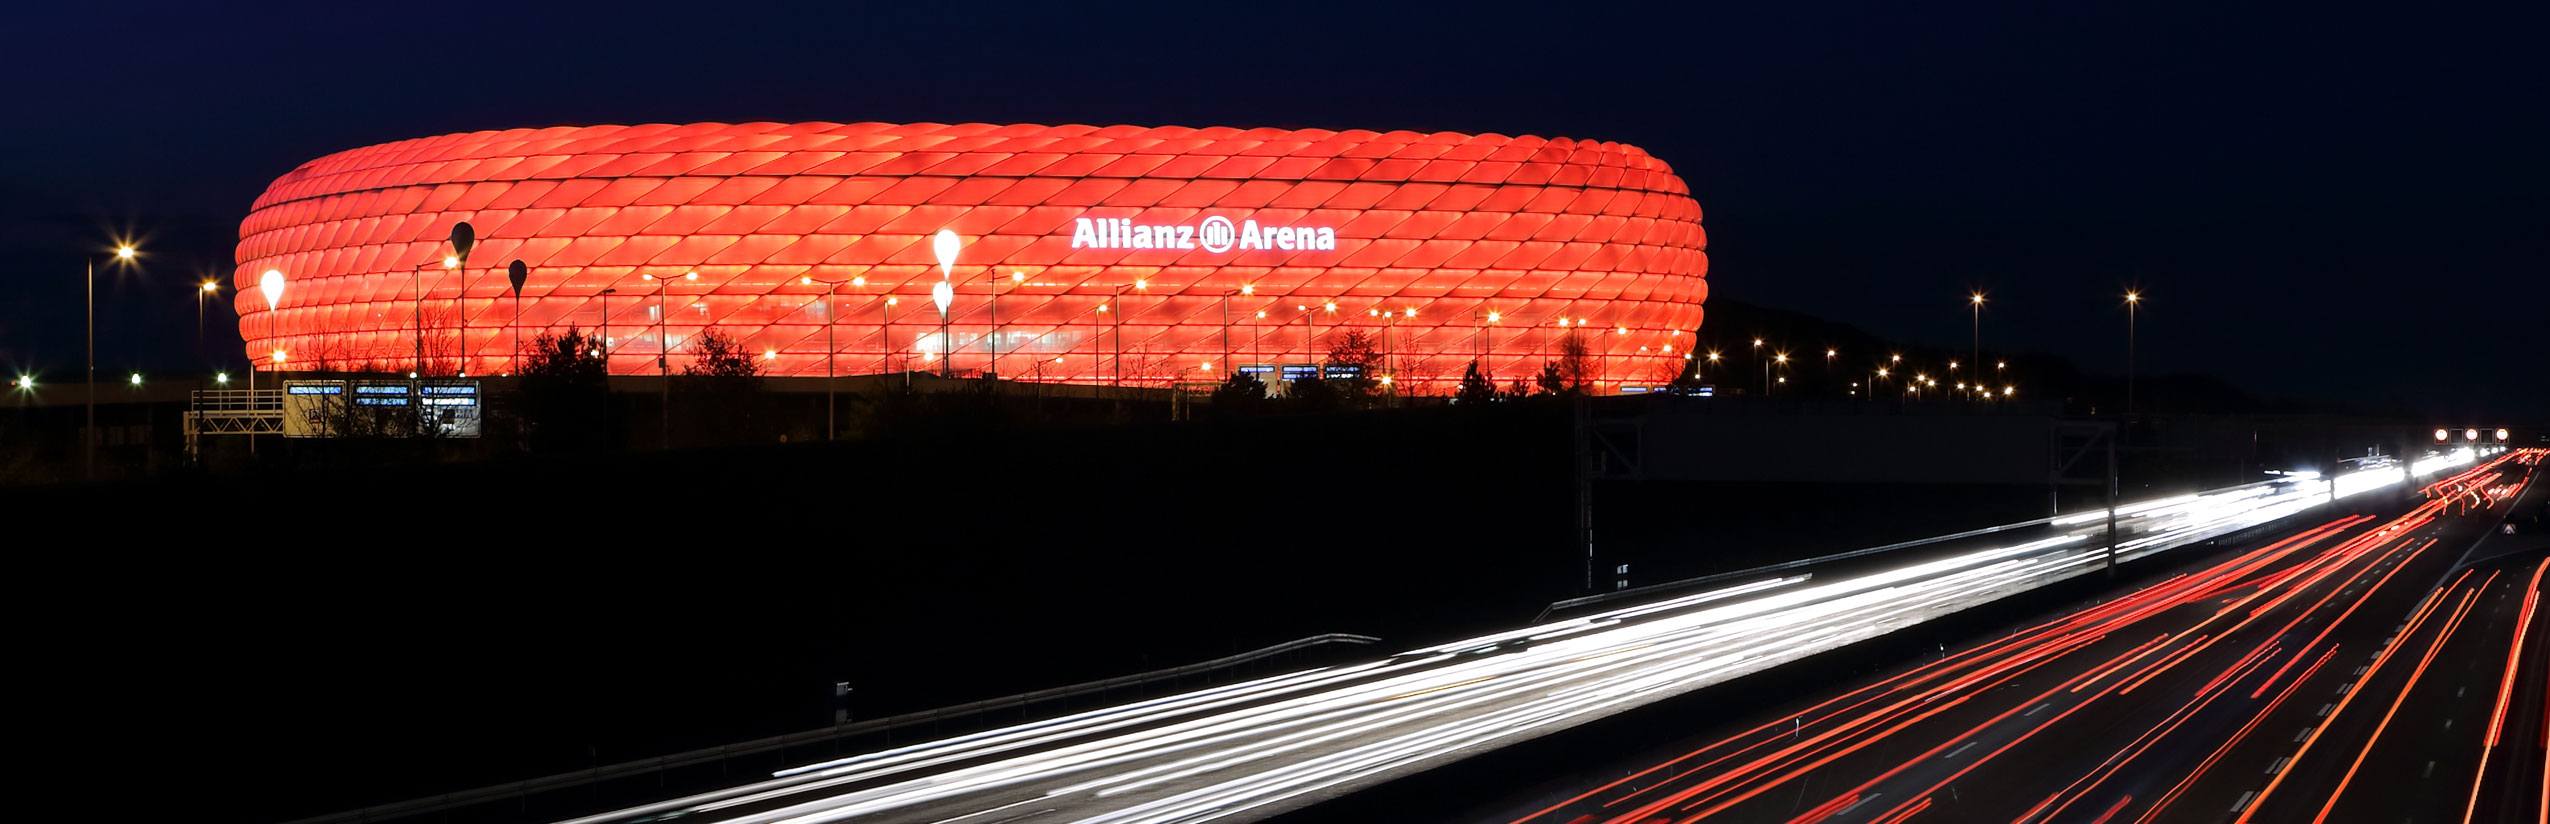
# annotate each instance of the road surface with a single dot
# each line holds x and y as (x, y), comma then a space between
(2357, 669)
(1254, 749)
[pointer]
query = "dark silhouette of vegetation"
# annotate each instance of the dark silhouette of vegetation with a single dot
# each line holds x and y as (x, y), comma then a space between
(721, 400)
(564, 398)
(1240, 393)
(1575, 364)
(1552, 382)
(1475, 389)
(1311, 393)
(1354, 366)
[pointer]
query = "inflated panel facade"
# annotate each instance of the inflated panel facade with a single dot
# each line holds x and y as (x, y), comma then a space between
(1118, 254)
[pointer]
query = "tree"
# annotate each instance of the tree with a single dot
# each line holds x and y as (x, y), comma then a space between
(717, 355)
(1356, 356)
(1242, 392)
(1575, 363)
(564, 395)
(1552, 381)
(723, 386)
(1311, 393)
(1476, 390)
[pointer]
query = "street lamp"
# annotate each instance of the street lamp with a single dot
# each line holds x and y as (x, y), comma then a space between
(664, 354)
(829, 309)
(945, 245)
(1227, 366)
(416, 281)
(517, 273)
(269, 285)
(206, 290)
(2133, 301)
(1976, 300)
(1015, 279)
(885, 337)
(1781, 359)
(124, 256)
(605, 348)
(463, 239)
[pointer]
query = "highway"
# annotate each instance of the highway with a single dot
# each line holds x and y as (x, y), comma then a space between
(2357, 668)
(1262, 747)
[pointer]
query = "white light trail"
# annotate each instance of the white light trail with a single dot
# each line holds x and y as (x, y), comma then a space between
(1218, 752)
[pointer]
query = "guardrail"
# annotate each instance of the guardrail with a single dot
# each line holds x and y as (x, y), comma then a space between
(533, 786)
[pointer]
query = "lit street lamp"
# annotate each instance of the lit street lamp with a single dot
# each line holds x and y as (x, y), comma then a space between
(2133, 301)
(269, 285)
(885, 337)
(829, 309)
(664, 353)
(517, 273)
(463, 239)
(124, 256)
(942, 294)
(209, 288)
(1976, 300)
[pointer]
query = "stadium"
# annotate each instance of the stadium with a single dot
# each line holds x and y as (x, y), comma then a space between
(1136, 256)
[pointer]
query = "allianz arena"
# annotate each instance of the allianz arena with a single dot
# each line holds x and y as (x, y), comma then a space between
(1118, 254)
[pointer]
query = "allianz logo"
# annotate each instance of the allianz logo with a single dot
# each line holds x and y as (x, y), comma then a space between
(1214, 234)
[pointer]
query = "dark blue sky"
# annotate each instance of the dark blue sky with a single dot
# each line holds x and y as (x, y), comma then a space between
(2322, 200)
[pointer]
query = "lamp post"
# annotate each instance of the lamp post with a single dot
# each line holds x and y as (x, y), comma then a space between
(1976, 300)
(124, 255)
(664, 355)
(1781, 359)
(1227, 367)
(1114, 310)
(1015, 279)
(416, 281)
(517, 274)
(2133, 301)
(269, 285)
(463, 239)
(605, 351)
(886, 335)
(607, 292)
(209, 288)
(945, 245)
(829, 287)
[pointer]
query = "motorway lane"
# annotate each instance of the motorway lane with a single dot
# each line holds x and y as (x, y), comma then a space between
(1255, 749)
(2418, 728)
(2109, 713)
(2515, 782)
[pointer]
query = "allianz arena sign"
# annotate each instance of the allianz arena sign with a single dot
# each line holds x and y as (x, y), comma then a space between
(1214, 234)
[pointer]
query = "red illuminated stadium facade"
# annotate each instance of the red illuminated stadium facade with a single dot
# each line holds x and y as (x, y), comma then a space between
(1140, 256)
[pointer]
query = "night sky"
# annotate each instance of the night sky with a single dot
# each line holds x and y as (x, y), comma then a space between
(2322, 201)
